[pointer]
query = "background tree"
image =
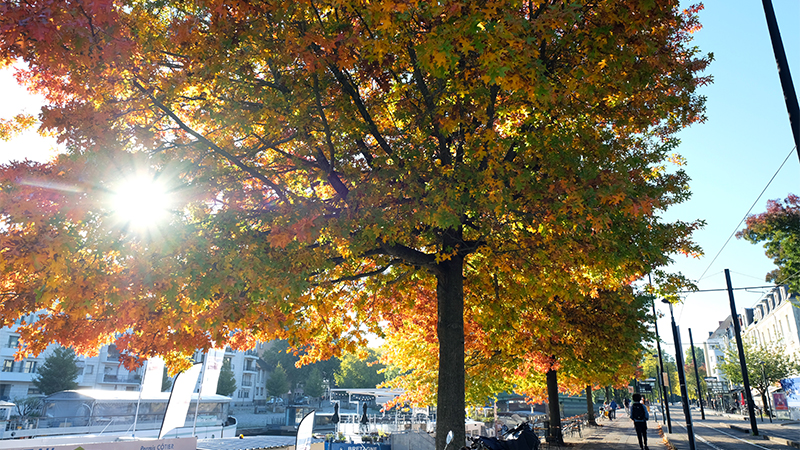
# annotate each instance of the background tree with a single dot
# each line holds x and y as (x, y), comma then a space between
(279, 352)
(691, 381)
(277, 384)
(166, 381)
(766, 365)
(227, 381)
(28, 406)
(779, 230)
(650, 370)
(314, 386)
(58, 373)
(357, 372)
(321, 152)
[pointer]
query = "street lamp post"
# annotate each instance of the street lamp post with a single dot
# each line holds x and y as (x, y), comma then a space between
(769, 401)
(697, 377)
(737, 330)
(682, 377)
(664, 398)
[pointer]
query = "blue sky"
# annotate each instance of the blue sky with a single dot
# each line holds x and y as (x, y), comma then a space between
(730, 158)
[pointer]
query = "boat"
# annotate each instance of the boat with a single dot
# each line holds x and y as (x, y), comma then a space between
(95, 412)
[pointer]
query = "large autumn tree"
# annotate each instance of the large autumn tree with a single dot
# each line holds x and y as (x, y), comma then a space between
(320, 151)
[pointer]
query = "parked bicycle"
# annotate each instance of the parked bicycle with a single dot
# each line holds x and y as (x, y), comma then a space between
(521, 437)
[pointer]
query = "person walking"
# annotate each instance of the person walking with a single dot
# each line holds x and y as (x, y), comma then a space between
(640, 416)
(612, 412)
(627, 404)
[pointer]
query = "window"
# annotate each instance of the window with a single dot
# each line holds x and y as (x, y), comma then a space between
(12, 341)
(29, 366)
(8, 365)
(88, 370)
(33, 391)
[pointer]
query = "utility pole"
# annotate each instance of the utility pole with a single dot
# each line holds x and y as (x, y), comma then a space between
(745, 377)
(697, 377)
(682, 377)
(664, 399)
(789, 95)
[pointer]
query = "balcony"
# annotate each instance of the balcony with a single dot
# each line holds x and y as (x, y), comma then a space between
(112, 357)
(251, 353)
(122, 379)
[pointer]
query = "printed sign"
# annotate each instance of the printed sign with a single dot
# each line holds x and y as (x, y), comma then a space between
(780, 401)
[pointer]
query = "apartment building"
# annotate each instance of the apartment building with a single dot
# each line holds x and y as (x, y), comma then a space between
(105, 371)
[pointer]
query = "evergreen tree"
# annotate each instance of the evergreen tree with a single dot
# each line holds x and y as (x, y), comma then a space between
(227, 383)
(277, 384)
(314, 386)
(166, 381)
(58, 373)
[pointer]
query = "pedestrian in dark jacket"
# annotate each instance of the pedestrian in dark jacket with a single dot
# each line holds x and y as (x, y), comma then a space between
(640, 416)
(612, 412)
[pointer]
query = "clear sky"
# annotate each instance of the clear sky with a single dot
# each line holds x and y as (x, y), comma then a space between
(730, 158)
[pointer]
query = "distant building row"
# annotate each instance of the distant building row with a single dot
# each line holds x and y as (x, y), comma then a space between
(775, 318)
(105, 371)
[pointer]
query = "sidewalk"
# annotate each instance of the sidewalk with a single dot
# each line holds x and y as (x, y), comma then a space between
(615, 434)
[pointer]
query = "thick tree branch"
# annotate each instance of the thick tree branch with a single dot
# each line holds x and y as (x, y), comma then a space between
(362, 110)
(409, 255)
(366, 274)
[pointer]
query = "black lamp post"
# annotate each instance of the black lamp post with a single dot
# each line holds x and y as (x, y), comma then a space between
(664, 398)
(769, 401)
(681, 377)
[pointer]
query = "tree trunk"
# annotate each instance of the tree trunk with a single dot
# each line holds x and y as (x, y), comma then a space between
(450, 330)
(554, 437)
(590, 406)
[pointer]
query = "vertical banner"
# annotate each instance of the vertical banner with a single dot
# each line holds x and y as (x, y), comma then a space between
(304, 432)
(213, 366)
(153, 375)
(179, 400)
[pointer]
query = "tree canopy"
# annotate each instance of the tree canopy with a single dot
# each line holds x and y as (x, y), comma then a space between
(324, 156)
(357, 372)
(778, 228)
(59, 372)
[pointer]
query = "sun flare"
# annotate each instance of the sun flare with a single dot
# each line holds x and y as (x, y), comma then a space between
(142, 202)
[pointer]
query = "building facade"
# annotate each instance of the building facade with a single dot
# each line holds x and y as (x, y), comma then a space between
(105, 371)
